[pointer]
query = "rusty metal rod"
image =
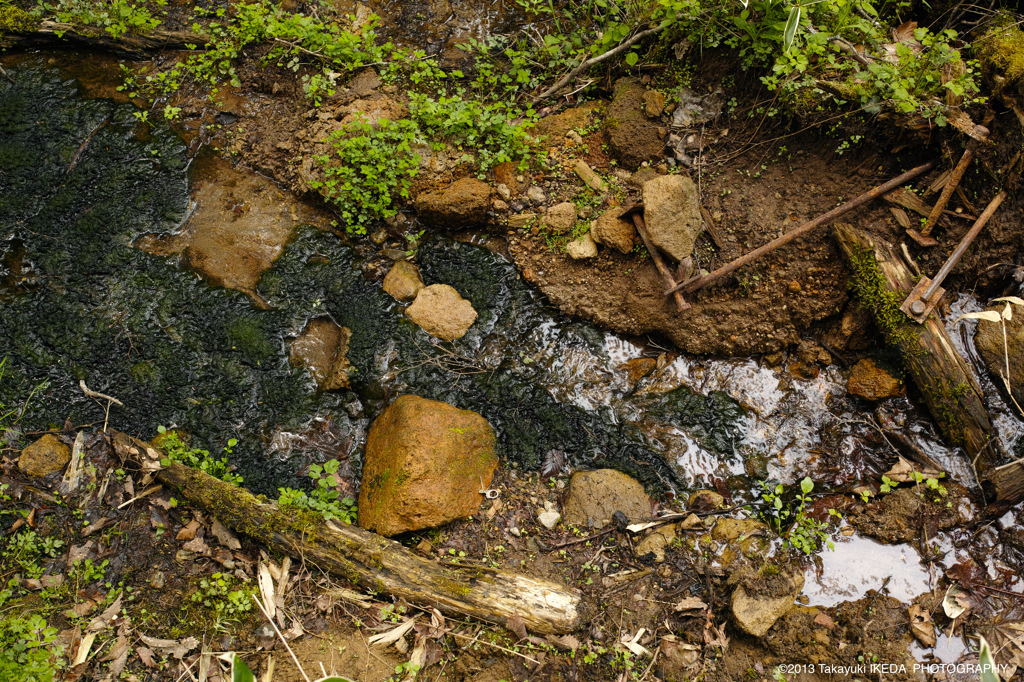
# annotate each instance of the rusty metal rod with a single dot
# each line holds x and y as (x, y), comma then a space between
(681, 303)
(698, 282)
(962, 246)
(980, 135)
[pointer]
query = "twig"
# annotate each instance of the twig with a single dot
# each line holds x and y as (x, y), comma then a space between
(141, 495)
(622, 47)
(497, 646)
(94, 394)
(281, 637)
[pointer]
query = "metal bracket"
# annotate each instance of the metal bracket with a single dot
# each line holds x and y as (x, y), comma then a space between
(916, 306)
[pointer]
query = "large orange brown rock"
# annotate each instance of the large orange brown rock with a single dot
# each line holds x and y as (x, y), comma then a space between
(871, 382)
(426, 462)
(45, 456)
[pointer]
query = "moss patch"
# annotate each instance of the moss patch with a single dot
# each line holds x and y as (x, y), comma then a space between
(1001, 51)
(873, 292)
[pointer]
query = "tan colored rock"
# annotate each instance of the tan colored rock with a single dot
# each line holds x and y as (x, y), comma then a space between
(462, 204)
(655, 542)
(322, 348)
(561, 218)
(760, 600)
(582, 248)
(614, 232)
(654, 103)
(576, 118)
(593, 497)
(441, 312)
(588, 176)
(45, 456)
(728, 530)
(672, 214)
(403, 281)
(426, 462)
(870, 382)
(705, 501)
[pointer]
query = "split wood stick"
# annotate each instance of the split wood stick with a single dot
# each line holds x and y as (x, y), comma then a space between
(699, 282)
(979, 136)
(681, 303)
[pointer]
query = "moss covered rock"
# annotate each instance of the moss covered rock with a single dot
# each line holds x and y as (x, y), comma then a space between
(632, 137)
(426, 462)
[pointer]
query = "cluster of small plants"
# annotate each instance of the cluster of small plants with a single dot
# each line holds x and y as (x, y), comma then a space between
(792, 521)
(176, 451)
(116, 17)
(324, 498)
(369, 170)
(225, 596)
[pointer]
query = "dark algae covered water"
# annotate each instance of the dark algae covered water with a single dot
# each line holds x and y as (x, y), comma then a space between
(81, 179)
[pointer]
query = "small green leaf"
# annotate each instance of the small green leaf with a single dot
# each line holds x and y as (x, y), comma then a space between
(792, 24)
(240, 671)
(807, 485)
(632, 58)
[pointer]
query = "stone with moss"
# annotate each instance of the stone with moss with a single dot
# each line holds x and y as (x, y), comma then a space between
(426, 462)
(45, 456)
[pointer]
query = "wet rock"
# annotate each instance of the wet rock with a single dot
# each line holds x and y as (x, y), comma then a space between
(561, 218)
(705, 501)
(45, 456)
(871, 382)
(425, 463)
(322, 348)
(462, 204)
(632, 138)
(593, 498)
(582, 248)
(441, 312)
(728, 530)
(588, 176)
(614, 232)
(655, 542)
(760, 600)
(403, 281)
(672, 214)
(654, 103)
(637, 368)
(905, 515)
(536, 195)
(989, 341)
(852, 332)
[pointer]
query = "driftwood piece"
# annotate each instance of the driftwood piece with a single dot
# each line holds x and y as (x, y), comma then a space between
(951, 392)
(1008, 481)
(131, 44)
(368, 559)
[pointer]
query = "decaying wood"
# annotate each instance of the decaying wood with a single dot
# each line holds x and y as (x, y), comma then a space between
(911, 201)
(1008, 481)
(368, 559)
(131, 44)
(951, 392)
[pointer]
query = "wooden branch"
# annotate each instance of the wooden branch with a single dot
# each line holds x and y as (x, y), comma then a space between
(619, 49)
(947, 384)
(372, 561)
(49, 32)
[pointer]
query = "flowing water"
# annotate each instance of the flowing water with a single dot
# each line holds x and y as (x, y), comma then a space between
(81, 180)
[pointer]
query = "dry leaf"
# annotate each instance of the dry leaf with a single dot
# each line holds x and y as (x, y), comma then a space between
(921, 625)
(515, 624)
(904, 470)
(266, 583)
(109, 615)
(171, 647)
(715, 636)
(956, 602)
(904, 33)
(690, 604)
(394, 634)
(146, 656)
(224, 535)
(567, 642)
(1007, 641)
(189, 531)
(83, 649)
(634, 645)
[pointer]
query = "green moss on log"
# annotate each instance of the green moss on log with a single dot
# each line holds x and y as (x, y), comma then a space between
(871, 289)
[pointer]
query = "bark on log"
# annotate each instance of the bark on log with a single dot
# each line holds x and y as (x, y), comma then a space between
(371, 560)
(946, 382)
(130, 44)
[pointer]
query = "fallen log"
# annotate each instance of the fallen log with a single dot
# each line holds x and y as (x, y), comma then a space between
(129, 44)
(368, 559)
(950, 391)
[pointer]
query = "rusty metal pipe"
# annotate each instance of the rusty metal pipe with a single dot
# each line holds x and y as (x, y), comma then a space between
(698, 282)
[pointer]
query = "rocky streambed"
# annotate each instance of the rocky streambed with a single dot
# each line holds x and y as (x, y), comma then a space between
(209, 299)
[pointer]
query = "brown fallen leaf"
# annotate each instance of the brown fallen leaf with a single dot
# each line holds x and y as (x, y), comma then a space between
(567, 642)
(189, 531)
(921, 625)
(146, 656)
(904, 472)
(1007, 640)
(107, 618)
(690, 604)
(197, 546)
(224, 535)
(171, 647)
(516, 624)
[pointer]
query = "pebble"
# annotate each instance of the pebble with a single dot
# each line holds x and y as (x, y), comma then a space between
(536, 195)
(500, 205)
(549, 519)
(503, 191)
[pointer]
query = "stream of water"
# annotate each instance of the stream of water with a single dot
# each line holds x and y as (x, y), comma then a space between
(82, 179)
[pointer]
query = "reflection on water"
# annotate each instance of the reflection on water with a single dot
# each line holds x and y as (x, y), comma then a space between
(859, 564)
